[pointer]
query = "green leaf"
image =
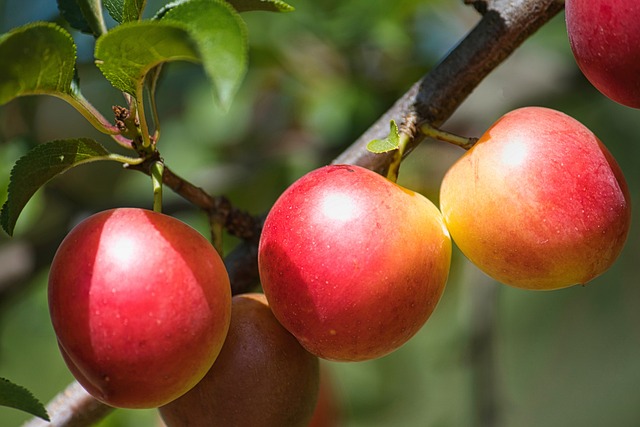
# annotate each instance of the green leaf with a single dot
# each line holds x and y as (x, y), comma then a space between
(115, 9)
(18, 397)
(128, 52)
(266, 5)
(38, 166)
(70, 10)
(125, 10)
(390, 143)
(238, 5)
(221, 37)
(37, 58)
(83, 15)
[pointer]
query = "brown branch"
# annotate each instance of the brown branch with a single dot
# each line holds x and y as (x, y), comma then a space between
(73, 407)
(504, 26)
(242, 263)
(236, 221)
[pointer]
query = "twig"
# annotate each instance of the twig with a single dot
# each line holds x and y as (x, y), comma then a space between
(504, 26)
(73, 407)
(236, 221)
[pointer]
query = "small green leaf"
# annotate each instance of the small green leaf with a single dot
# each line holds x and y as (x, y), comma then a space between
(70, 10)
(266, 5)
(83, 15)
(115, 9)
(37, 58)
(390, 143)
(38, 166)
(18, 397)
(238, 5)
(125, 10)
(128, 52)
(221, 37)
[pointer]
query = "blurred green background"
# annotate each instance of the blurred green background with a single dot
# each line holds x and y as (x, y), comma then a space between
(490, 355)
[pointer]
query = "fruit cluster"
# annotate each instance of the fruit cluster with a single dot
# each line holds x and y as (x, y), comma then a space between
(352, 265)
(141, 305)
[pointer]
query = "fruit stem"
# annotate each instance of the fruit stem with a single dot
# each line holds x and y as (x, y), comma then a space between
(432, 132)
(142, 118)
(394, 167)
(151, 88)
(157, 170)
(89, 112)
(217, 228)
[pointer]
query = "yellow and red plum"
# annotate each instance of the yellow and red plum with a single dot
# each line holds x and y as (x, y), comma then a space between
(352, 264)
(538, 202)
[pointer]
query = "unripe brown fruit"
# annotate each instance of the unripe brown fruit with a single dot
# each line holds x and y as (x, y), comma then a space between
(262, 378)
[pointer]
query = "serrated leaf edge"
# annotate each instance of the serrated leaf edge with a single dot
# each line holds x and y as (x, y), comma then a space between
(59, 29)
(7, 224)
(41, 411)
(120, 83)
(223, 99)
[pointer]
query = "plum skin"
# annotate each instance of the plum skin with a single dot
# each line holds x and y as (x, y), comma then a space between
(140, 303)
(605, 39)
(538, 202)
(352, 264)
(262, 378)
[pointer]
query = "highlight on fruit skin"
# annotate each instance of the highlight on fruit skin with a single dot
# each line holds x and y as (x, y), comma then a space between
(353, 264)
(538, 203)
(605, 39)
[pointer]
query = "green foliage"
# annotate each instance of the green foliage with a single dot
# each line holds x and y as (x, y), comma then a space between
(125, 10)
(221, 38)
(72, 13)
(204, 31)
(267, 5)
(46, 67)
(207, 31)
(83, 15)
(127, 53)
(390, 143)
(39, 165)
(239, 5)
(18, 397)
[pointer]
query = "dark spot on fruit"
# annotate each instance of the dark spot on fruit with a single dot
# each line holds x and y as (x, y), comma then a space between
(348, 168)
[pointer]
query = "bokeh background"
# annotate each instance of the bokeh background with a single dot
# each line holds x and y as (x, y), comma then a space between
(490, 355)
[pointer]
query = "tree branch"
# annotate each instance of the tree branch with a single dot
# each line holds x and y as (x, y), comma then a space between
(237, 222)
(242, 263)
(504, 26)
(73, 407)
(502, 29)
